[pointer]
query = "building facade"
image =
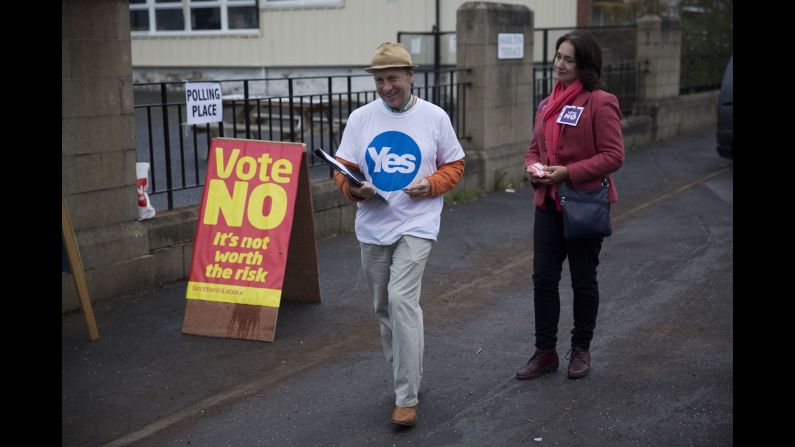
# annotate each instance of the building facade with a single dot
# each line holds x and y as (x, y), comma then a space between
(223, 39)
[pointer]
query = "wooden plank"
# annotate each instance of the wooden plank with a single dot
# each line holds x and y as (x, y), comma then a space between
(76, 265)
(229, 320)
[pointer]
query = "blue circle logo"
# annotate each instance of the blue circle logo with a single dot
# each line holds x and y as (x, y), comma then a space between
(393, 160)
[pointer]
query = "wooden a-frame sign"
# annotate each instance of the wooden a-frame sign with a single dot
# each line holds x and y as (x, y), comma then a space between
(74, 265)
(232, 307)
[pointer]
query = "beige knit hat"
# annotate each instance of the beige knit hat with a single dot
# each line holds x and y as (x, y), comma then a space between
(390, 55)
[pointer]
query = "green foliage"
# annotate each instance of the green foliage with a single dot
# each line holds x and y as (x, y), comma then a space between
(502, 180)
(460, 196)
(707, 33)
(707, 25)
(707, 42)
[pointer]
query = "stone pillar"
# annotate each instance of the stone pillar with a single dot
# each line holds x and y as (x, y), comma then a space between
(659, 52)
(499, 107)
(584, 13)
(98, 150)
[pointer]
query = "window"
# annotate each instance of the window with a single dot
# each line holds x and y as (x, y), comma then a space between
(178, 17)
(169, 18)
(205, 18)
(139, 20)
(243, 17)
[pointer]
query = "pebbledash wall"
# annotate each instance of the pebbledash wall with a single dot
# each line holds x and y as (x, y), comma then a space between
(122, 255)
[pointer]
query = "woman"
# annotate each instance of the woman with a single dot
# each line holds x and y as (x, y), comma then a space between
(580, 149)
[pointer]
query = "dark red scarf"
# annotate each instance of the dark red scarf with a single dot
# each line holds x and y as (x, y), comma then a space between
(561, 96)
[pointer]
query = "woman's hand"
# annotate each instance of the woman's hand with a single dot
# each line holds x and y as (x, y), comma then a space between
(531, 175)
(555, 175)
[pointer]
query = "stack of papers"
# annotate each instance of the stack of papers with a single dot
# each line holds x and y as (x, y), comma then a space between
(355, 177)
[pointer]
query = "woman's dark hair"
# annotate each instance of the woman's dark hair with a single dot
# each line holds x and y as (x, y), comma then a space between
(588, 54)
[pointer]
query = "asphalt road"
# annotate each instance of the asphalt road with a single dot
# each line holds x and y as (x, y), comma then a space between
(662, 356)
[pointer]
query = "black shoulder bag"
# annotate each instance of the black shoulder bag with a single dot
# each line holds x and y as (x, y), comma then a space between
(586, 212)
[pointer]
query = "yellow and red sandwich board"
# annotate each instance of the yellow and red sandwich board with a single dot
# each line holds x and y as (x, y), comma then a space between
(256, 204)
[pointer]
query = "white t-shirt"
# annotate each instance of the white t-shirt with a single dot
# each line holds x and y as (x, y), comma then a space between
(392, 150)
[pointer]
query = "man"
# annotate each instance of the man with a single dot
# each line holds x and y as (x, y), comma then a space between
(409, 154)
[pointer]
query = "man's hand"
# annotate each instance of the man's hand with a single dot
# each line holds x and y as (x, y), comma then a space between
(365, 191)
(420, 189)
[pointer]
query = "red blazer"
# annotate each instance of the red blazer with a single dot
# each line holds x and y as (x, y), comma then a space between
(590, 150)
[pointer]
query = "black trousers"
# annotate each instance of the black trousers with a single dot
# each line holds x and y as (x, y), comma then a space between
(550, 249)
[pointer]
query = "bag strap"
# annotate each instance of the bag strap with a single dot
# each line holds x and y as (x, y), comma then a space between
(563, 186)
(605, 183)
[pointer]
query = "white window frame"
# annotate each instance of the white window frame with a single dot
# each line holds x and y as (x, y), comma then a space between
(186, 6)
(281, 4)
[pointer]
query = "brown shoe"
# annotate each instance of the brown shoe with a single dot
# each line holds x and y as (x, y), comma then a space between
(404, 415)
(543, 361)
(579, 363)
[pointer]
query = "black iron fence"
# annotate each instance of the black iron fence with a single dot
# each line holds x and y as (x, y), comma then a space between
(312, 110)
(620, 70)
(619, 43)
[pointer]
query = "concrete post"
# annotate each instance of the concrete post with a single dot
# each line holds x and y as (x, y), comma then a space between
(98, 150)
(584, 13)
(499, 109)
(659, 52)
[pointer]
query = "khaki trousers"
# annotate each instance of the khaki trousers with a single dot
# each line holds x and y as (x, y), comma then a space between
(394, 275)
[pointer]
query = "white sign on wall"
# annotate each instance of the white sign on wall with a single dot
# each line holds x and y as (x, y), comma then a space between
(416, 45)
(510, 46)
(203, 101)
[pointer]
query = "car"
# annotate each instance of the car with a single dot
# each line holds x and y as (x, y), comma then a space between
(725, 126)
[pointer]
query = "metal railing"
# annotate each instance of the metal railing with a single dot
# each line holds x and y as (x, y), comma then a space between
(620, 70)
(618, 42)
(312, 110)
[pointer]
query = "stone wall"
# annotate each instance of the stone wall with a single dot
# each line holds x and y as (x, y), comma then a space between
(98, 150)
